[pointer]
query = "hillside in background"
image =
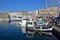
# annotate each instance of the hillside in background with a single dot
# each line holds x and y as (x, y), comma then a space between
(50, 11)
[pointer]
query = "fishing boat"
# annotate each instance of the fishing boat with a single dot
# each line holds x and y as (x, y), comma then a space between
(41, 26)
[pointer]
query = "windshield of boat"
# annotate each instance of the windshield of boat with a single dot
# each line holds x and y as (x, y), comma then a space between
(19, 17)
(29, 23)
(41, 22)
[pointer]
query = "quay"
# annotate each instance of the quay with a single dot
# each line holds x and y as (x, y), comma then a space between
(56, 32)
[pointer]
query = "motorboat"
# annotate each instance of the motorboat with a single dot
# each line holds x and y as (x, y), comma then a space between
(31, 26)
(23, 21)
(39, 18)
(41, 26)
(16, 17)
(23, 24)
(20, 22)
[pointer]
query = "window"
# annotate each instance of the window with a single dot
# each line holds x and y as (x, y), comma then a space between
(30, 23)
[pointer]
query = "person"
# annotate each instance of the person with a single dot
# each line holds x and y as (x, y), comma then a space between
(9, 18)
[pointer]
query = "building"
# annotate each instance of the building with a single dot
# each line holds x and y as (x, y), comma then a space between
(50, 11)
(22, 13)
(4, 15)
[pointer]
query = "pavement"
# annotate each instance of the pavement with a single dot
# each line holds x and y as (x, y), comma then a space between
(56, 28)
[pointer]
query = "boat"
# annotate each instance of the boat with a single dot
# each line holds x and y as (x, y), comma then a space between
(19, 23)
(23, 21)
(23, 24)
(16, 17)
(30, 27)
(34, 26)
(39, 18)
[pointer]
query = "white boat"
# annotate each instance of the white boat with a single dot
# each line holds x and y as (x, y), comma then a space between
(23, 25)
(39, 18)
(23, 21)
(20, 23)
(16, 17)
(38, 27)
(30, 24)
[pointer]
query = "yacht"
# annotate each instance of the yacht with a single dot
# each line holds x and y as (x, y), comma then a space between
(16, 17)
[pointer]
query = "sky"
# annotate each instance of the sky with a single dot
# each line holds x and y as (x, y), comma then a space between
(25, 5)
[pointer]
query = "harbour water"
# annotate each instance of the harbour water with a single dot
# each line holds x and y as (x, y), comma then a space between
(12, 31)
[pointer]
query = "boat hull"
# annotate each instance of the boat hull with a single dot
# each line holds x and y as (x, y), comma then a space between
(42, 30)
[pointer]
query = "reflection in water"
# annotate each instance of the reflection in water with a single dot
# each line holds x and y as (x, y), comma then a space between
(12, 31)
(15, 22)
(17, 25)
